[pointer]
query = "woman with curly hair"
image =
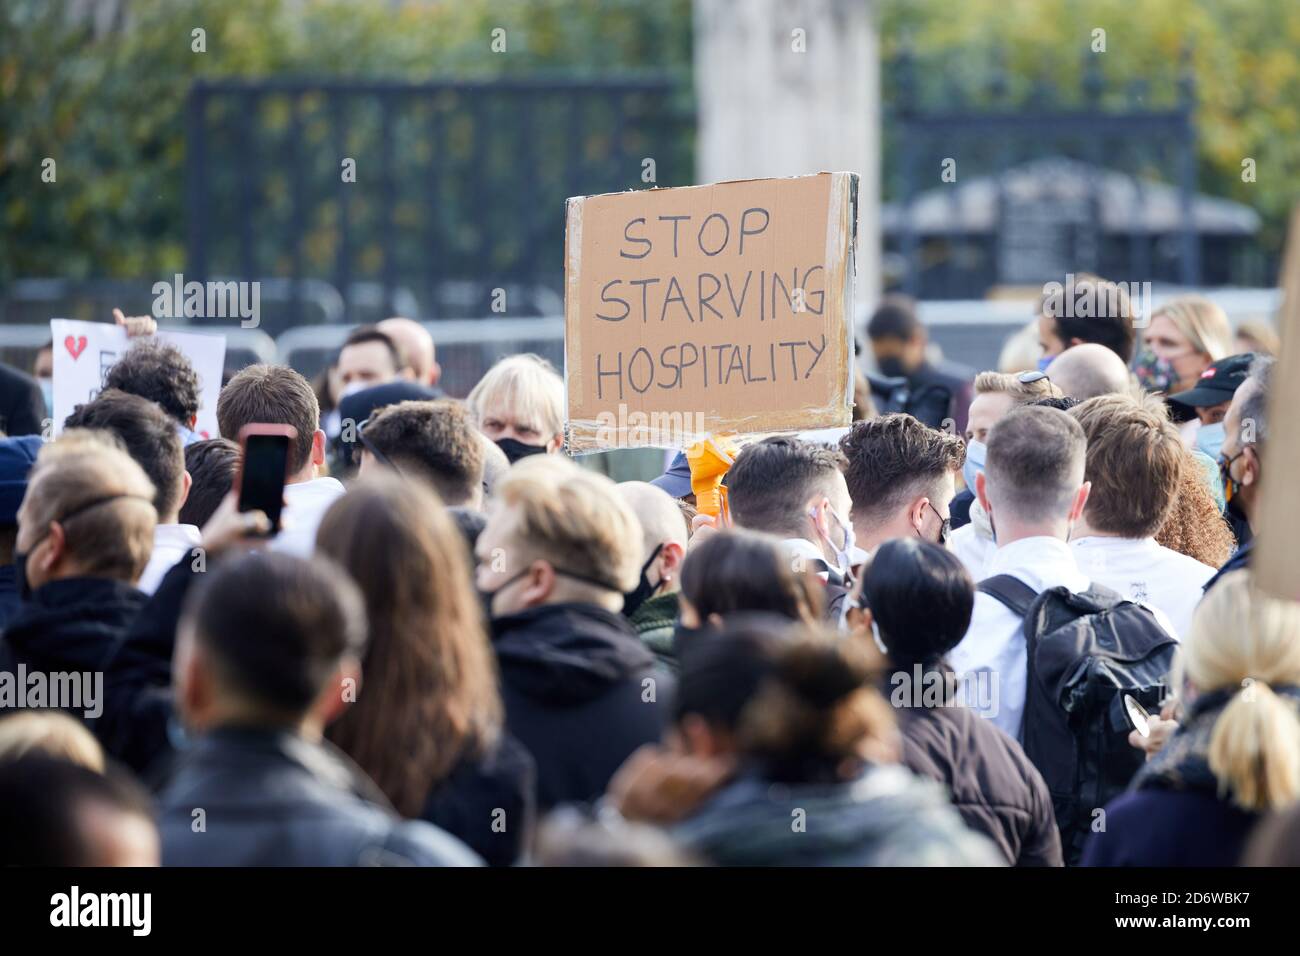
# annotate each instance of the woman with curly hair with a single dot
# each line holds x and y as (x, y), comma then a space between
(1195, 526)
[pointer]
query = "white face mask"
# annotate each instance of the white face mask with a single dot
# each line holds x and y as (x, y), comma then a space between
(844, 550)
(875, 635)
(352, 388)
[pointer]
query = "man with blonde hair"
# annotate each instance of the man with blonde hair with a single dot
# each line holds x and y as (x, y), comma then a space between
(519, 404)
(85, 533)
(581, 692)
(996, 393)
(652, 608)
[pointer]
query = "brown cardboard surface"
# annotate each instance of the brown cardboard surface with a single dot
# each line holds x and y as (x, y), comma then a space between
(682, 318)
(1274, 565)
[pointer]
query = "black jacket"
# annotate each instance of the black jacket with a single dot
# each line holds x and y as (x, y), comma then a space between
(252, 797)
(993, 785)
(489, 802)
(10, 602)
(22, 406)
(581, 692)
(136, 726)
(74, 624)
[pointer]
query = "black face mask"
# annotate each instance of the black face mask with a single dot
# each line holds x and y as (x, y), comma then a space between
(644, 589)
(515, 449)
(893, 367)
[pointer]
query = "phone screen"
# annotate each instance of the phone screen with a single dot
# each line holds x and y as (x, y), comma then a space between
(262, 485)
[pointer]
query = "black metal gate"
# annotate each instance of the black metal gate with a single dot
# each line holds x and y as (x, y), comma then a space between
(1042, 183)
(424, 197)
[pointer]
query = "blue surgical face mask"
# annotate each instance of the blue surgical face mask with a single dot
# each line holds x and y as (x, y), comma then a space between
(975, 452)
(1045, 361)
(1209, 439)
(47, 392)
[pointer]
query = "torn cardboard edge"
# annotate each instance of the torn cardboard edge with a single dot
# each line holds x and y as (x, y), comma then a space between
(1273, 566)
(645, 429)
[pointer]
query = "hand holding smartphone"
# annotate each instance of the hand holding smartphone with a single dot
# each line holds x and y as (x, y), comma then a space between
(263, 469)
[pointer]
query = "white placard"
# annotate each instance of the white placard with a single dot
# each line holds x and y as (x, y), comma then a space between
(85, 351)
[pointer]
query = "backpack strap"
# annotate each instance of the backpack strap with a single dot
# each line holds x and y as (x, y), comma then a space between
(1010, 591)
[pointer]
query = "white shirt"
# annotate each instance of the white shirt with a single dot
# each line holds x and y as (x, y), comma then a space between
(171, 542)
(974, 549)
(305, 503)
(1144, 571)
(995, 641)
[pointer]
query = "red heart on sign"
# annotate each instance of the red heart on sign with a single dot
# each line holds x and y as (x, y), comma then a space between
(75, 346)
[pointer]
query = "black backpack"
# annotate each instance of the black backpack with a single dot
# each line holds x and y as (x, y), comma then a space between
(1085, 651)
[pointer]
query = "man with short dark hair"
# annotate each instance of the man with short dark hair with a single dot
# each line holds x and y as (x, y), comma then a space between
(901, 475)
(256, 681)
(22, 403)
(1134, 463)
(795, 490)
(162, 374)
(436, 440)
(213, 465)
(151, 438)
(368, 357)
(1034, 492)
(1085, 308)
(277, 395)
(937, 395)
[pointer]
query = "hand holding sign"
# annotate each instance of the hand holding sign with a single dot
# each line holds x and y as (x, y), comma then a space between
(135, 324)
(91, 348)
(709, 310)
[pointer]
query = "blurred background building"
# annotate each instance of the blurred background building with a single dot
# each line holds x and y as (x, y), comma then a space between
(212, 138)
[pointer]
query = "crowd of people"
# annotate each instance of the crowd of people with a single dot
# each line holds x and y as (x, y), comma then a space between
(1008, 619)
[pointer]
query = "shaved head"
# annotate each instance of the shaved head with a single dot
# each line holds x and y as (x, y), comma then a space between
(1089, 370)
(661, 519)
(416, 344)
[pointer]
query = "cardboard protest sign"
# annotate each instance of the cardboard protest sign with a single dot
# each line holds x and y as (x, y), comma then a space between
(1273, 565)
(719, 309)
(85, 351)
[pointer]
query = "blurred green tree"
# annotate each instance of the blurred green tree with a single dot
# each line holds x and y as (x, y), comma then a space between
(103, 96)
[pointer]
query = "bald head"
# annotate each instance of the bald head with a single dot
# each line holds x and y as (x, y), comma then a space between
(661, 519)
(1089, 370)
(417, 345)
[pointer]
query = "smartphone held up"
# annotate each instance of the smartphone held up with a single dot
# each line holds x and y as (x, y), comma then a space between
(264, 467)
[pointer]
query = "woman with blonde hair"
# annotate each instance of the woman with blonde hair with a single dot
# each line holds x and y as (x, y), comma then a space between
(1236, 753)
(1186, 335)
(519, 404)
(427, 721)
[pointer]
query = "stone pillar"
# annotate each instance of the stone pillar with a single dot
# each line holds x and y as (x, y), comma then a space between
(790, 87)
